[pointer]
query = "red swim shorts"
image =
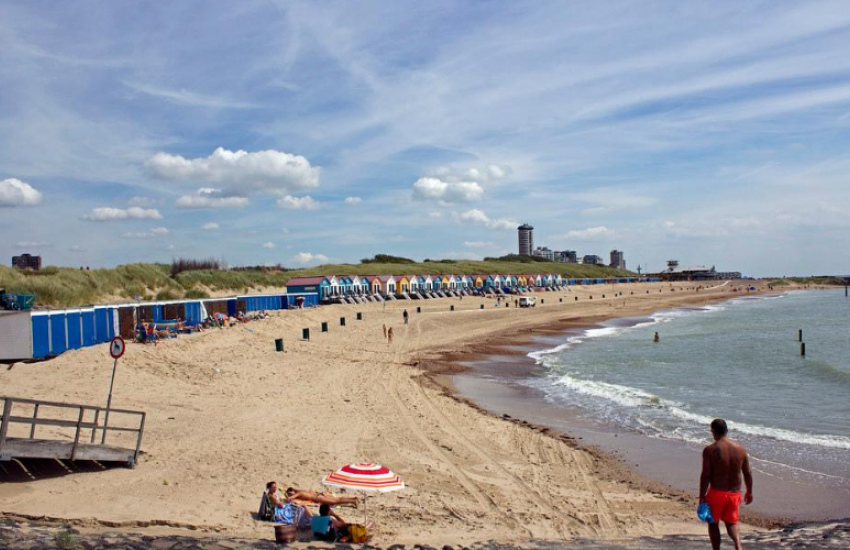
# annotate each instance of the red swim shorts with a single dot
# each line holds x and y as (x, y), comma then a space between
(724, 505)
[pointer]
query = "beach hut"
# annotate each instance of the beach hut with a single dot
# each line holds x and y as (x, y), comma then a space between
(374, 284)
(387, 285)
(322, 286)
(496, 280)
(478, 281)
(402, 284)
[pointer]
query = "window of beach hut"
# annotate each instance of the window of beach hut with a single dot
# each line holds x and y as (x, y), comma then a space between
(216, 306)
(127, 322)
(145, 313)
(174, 311)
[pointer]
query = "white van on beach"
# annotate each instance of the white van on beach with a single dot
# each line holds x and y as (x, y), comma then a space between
(527, 301)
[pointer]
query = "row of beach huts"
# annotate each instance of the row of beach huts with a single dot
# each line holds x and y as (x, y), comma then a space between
(40, 334)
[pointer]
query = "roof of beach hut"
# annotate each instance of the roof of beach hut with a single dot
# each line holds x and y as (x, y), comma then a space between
(300, 281)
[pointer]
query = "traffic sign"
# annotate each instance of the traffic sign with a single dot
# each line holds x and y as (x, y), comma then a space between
(117, 347)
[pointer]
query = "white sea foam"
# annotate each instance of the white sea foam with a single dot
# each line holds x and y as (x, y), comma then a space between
(629, 397)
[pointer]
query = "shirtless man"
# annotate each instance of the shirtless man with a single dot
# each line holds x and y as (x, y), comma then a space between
(723, 462)
(317, 497)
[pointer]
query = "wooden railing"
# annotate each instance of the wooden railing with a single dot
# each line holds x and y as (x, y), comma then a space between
(79, 425)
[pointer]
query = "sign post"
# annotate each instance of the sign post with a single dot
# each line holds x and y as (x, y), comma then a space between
(116, 350)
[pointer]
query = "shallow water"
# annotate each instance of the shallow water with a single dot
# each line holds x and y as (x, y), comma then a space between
(738, 360)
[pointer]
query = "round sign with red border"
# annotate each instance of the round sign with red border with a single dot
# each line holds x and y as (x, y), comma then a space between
(117, 347)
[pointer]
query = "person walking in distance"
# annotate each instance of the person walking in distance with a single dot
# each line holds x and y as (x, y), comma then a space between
(385, 331)
(405, 316)
(390, 335)
(724, 462)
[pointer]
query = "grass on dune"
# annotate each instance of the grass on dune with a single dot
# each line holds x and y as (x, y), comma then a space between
(70, 287)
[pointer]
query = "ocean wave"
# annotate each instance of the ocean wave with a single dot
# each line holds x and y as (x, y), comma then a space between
(635, 398)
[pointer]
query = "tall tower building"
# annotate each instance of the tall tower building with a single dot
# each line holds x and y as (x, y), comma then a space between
(617, 259)
(526, 239)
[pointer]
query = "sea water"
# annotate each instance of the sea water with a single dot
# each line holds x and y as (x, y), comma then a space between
(739, 360)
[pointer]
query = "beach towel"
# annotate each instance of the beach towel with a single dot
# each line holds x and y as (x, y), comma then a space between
(291, 514)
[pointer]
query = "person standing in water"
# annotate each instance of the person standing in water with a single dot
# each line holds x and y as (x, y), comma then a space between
(724, 462)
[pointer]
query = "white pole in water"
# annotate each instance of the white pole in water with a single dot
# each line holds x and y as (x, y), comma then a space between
(109, 402)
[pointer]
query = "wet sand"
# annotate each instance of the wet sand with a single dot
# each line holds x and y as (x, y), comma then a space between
(495, 382)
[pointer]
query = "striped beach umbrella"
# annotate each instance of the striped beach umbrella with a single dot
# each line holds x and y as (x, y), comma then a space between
(367, 477)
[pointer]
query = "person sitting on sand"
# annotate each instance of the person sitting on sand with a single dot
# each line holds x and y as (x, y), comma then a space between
(286, 511)
(335, 528)
(318, 498)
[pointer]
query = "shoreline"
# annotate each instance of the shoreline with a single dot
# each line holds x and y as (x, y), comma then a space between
(463, 468)
(484, 379)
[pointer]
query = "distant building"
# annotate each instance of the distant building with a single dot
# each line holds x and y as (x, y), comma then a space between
(526, 239)
(566, 257)
(676, 272)
(544, 252)
(27, 261)
(592, 259)
(618, 261)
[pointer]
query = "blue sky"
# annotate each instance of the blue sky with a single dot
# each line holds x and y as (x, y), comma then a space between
(298, 133)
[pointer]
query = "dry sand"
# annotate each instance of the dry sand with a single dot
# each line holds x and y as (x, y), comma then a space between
(226, 413)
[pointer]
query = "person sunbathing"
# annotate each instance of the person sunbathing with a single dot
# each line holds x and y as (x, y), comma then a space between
(318, 498)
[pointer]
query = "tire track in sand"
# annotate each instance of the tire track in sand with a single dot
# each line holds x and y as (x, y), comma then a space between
(391, 385)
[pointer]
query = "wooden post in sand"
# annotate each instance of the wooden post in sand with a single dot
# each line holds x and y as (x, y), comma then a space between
(800, 335)
(359, 316)
(482, 306)
(342, 321)
(305, 334)
(802, 349)
(324, 326)
(451, 307)
(418, 309)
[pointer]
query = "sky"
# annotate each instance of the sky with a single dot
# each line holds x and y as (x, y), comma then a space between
(300, 133)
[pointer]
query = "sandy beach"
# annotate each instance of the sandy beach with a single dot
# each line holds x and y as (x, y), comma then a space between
(226, 413)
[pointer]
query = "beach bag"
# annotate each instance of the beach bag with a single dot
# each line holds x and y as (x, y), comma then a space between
(358, 533)
(266, 511)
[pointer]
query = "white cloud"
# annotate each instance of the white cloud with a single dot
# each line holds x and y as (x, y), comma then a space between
(77, 248)
(298, 203)
(33, 244)
(435, 214)
(239, 173)
(486, 174)
(589, 234)
(303, 258)
(353, 200)
(477, 244)
(478, 217)
(445, 192)
(107, 214)
(210, 226)
(14, 192)
(210, 198)
(269, 245)
(153, 233)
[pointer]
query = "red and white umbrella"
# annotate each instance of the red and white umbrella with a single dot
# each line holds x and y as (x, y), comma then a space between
(364, 477)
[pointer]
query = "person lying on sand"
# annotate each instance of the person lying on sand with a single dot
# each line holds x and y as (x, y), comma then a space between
(293, 494)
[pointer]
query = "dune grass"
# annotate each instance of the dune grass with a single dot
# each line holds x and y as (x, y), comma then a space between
(70, 287)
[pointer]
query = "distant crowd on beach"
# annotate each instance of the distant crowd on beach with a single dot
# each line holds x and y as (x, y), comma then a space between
(153, 331)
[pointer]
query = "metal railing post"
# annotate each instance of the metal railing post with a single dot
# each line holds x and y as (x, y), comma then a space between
(139, 439)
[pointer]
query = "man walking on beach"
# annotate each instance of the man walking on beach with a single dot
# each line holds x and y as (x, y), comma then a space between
(404, 315)
(723, 463)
